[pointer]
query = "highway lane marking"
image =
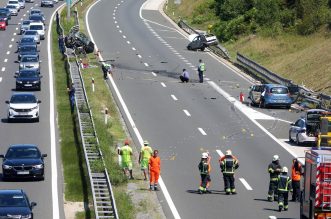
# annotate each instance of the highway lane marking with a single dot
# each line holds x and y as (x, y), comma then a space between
(6, 60)
(15, 34)
(115, 22)
(139, 56)
(245, 183)
(24, 15)
(202, 131)
(35, 4)
(128, 42)
(115, 7)
(0, 79)
(118, 4)
(120, 31)
(186, 112)
(3, 69)
(117, 26)
(220, 153)
(12, 39)
(21, 19)
(134, 49)
(114, 18)
(163, 84)
(146, 64)
(16, 28)
(27, 11)
(174, 97)
(124, 36)
(153, 73)
(8, 52)
(10, 46)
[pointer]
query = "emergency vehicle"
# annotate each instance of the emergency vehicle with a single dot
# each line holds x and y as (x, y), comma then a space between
(324, 137)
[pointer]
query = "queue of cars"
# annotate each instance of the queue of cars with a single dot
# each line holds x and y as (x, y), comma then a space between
(23, 161)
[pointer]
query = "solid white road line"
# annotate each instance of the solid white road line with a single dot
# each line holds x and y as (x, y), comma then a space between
(202, 131)
(163, 84)
(245, 183)
(140, 139)
(174, 97)
(6, 60)
(146, 64)
(8, 52)
(0, 79)
(153, 73)
(186, 112)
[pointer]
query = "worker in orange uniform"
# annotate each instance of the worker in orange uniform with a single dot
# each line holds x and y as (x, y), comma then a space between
(296, 177)
(204, 168)
(154, 170)
(229, 164)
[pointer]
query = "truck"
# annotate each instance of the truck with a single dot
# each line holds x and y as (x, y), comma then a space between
(201, 41)
(324, 136)
(315, 200)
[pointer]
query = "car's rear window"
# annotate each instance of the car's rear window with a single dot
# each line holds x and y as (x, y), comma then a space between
(29, 59)
(13, 2)
(27, 40)
(11, 6)
(279, 90)
(33, 32)
(26, 22)
(28, 49)
(36, 27)
(23, 99)
(13, 200)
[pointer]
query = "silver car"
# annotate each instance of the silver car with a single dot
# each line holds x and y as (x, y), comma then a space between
(13, 10)
(305, 129)
(24, 26)
(21, 3)
(33, 34)
(30, 62)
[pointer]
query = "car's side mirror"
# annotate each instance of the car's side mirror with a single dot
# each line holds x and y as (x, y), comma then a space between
(7, 101)
(39, 101)
(33, 204)
(292, 124)
(2, 156)
(17, 72)
(44, 155)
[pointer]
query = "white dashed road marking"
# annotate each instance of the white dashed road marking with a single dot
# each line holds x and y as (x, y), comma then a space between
(128, 42)
(8, 52)
(139, 56)
(186, 112)
(245, 183)
(10, 46)
(146, 64)
(202, 131)
(15, 34)
(12, 39)
(3, 69)
(16, 28)
(220, 153)
(124, 36)
(174, 97)
(6, 60)
(134, 49)
(163, 84)
(153, 73)
(120, 31)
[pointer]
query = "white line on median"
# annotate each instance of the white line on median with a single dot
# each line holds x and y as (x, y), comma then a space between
(245, 183)
(202, 131)
(163, 84)
(186, 112)
(174, 97)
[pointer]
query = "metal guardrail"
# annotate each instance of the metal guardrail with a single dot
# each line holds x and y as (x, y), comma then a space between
(103, 196)
(217, 49)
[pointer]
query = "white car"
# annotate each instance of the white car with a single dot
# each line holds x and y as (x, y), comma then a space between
(16, 3)
(23, 106)
(32, 34)
(39, 27)
(13, 10)
(21, 3)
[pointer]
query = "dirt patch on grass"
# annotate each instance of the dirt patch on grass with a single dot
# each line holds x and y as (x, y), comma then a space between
(72, 208)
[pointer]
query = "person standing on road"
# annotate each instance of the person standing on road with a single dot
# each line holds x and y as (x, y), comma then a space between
(126, 155)
(296, 177)
(284, 186)
(185, 77)
(154, 170)
(229, 164)
(201, 70)
(144, 155)
(204, 168)
(274, 170)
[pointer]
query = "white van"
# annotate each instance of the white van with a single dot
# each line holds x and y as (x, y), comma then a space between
(39, 27)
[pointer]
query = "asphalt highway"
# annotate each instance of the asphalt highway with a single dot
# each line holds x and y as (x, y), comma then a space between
(183, 120)
(27, 132)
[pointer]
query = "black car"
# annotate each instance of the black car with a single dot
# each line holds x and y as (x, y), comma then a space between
(28, 79)
(25, 41)
(37, 18)
(23, 161)
(14, 203)
(27, 50)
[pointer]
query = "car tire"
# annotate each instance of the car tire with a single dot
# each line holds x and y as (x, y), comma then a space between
(9, 120)
(4, 179)
(37, 119)
(189, 48)
(203, 48)
(297, 141)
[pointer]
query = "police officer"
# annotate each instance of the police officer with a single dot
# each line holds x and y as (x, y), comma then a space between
(201, 69)
(204, 168)
(274, 170)
(229, 164)
(284, 186)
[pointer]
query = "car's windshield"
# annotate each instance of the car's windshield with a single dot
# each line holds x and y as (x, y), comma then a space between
(28, 49)
(279, 90)
(23, 98)
(28, 74)
(12, 200)
(29, 59)
(26, 22)
(31, 32)
(11, 6)
(13, 2)
(36, 27)
(22, 153)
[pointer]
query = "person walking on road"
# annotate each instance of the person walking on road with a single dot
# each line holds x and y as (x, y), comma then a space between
(274, 170)
(185, 77)
(144, 155)
(201, 70)
(204, 168)
(296, 177)
(154, 170)
(126, 156)
(284, 186)
(229, 164)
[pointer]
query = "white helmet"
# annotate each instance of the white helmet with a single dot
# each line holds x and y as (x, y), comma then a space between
(284, 170)
(276, 157)
(146, 142)
(204, 155)
(228, 152)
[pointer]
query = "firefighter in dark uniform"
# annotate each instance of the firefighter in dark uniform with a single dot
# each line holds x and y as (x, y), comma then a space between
(204, 168)
(229, 164)
(284, 186)
(274, 170)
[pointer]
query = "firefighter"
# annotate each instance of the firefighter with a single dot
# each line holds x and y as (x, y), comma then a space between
(274, 170)
(144, 155)
(229, 164)
(204, 168)
(296, 177)
(284, 183)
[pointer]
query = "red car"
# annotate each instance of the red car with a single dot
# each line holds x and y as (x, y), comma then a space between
(2, 24)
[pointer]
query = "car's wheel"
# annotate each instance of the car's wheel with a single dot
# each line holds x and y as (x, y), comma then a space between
(203, 48)
(289, 137)
(288, 106)
(4, 179)
(37, 119)
(9, 120)
(297, 141)
(189, 48)
(39, 88)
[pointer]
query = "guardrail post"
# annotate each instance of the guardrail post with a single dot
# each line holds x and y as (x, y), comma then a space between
(106, 116)
(93, 88)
